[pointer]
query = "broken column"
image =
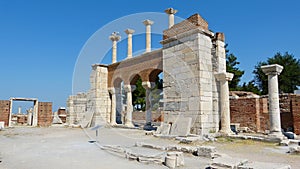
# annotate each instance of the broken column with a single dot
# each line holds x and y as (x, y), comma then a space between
(148, 24)
(148, 85)
(171, 12)
(113, 106)
(114, 37)
(223, 78)
(128, 119)
(274, 111)
(129, 33)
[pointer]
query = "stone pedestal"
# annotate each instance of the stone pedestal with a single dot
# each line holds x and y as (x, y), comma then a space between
(274, 111)
(223, 78)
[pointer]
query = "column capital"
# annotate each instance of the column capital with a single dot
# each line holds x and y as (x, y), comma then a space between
(147, 22)
(129, 88)
(129, 31)
(224, 76)
(148, 85)
(115, 36)
(274, 69)
(112, 90)
(171, 11)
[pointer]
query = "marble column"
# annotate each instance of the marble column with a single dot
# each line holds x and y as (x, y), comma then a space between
(274, 111)
(113, 106)
(148, 86)
(114, 37)
(148, 24)
(128, 118)
(171, 12)
(129, 33)
(223, 78)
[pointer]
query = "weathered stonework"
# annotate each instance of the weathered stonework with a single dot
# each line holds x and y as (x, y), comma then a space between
(190, 58)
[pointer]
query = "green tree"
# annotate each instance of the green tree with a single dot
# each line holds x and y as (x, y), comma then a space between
(250, 87)
(231, 67)
(289, 78)
(138, 96)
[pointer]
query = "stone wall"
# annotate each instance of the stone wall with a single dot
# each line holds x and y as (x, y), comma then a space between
(76, 108)
(253, 112)
(4, 111)
(191, 56)
(44, 114)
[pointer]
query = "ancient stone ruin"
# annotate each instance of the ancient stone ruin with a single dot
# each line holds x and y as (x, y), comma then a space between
(195, 82)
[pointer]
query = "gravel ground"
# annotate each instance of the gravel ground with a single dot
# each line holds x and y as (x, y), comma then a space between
(68, 148)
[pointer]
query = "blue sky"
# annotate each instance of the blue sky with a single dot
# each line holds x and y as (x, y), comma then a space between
(41, 40)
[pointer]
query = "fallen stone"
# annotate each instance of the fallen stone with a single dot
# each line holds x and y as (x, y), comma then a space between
(2, 125)
(294, 150)
(225, 162)
(181, 127)
(205, 151)
(163, 129)
(262, 165)
(176, 161)
(188, 139)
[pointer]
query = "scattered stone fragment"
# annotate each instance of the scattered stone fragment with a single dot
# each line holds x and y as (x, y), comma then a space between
(294, 150)
(225, 162)
(205, 151)
(261, 165)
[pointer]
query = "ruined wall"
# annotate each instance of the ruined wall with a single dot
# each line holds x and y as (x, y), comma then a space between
(191, 56)
(253, 112)
(44, 114)
(295, 104)
(4, 111)
(98, 100)
(76, 108)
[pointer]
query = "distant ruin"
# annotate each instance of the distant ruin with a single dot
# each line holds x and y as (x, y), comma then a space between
(41, 114)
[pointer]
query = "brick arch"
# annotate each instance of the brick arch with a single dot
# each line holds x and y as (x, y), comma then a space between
(133, 79)
(117, 82)
(153, 74)
(142, 65)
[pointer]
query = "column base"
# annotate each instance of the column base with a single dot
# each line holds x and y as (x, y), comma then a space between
(113, 124)
(277, 136)
(129, 124)
(226, 132)
(149, 127)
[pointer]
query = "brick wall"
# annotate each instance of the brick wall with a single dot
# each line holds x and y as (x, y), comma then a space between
(243, 111)
(253, 112)
(4, 111)
(44, 114)
(295, 106)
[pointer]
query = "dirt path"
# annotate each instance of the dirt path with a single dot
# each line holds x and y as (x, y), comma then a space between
(68, 148)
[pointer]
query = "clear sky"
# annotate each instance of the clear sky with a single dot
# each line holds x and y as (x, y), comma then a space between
(40, 41)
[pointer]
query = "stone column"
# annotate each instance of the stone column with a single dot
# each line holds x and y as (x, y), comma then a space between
(113, 106)
(129, 33)
(274, 111)
(171, 12)
(128, 118)
(148, 24)
(223, 78)
(114, 37)
(148, 86)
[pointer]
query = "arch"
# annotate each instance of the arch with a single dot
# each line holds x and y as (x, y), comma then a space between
(153, 74)
(117, 82)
